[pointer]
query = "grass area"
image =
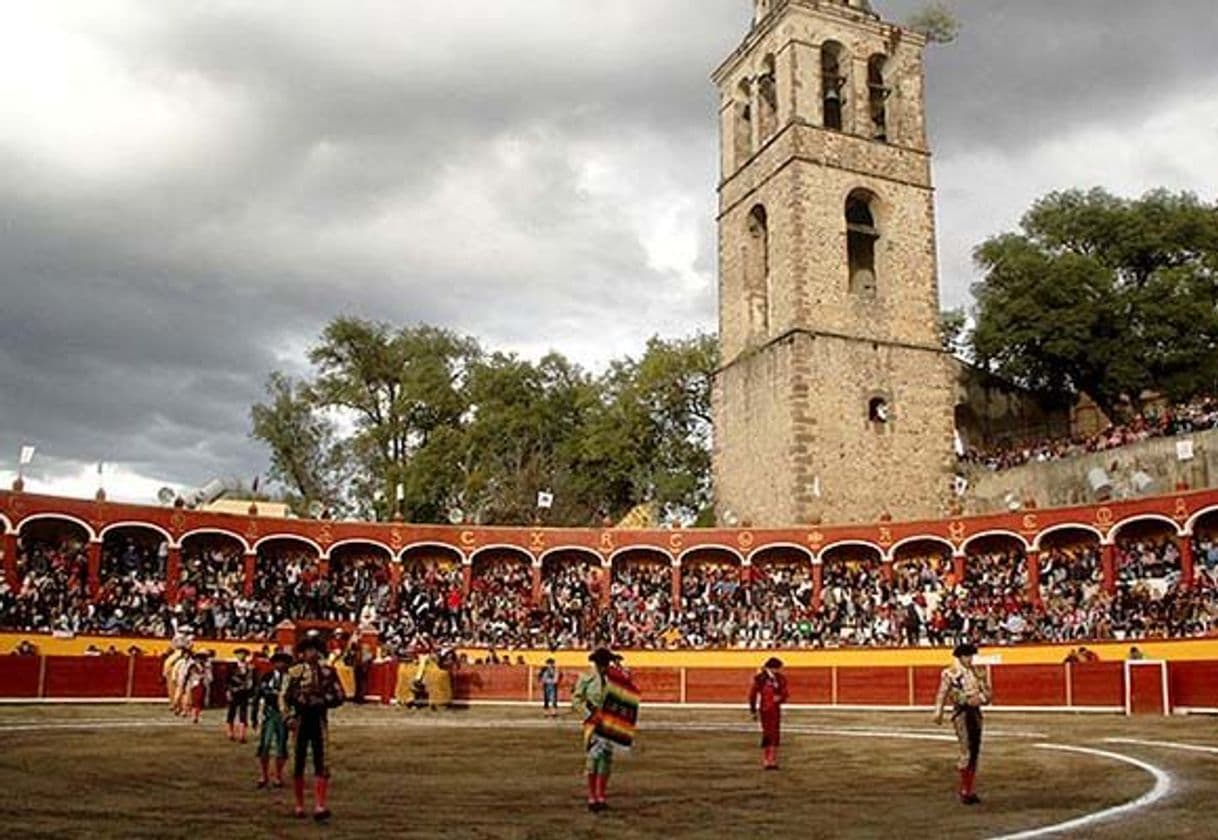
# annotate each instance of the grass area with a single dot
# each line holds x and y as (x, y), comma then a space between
(505, 773)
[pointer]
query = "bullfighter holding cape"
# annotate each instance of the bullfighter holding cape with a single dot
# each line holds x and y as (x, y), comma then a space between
(610, 703)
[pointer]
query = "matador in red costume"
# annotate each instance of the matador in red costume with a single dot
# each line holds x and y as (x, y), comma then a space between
(766, 696)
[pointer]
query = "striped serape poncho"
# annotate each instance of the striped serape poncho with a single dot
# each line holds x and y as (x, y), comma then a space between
(618, 715)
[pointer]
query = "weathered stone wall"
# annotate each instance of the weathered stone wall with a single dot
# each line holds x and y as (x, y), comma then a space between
(754, 436)
(794, 443)
(1062, 483)
(991, 412)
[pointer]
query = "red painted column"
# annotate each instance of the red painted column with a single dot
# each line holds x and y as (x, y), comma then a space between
(1108, 567)
(93, 553)
(536, 584)
(959, 567)
(1185, 544)
(173, 574)
(395, 582)
(251, 569)
(818, 582)
(8, 552)
(467, 579)
(606, 592)
(1034, 577)
(886, 571)
(676, 586)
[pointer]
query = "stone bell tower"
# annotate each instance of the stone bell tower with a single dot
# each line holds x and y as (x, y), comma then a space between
(834, 402)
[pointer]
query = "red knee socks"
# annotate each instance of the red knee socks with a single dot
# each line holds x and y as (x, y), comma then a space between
(243, 729)
(265, 762)
(279, 762)
(321, 787)
(592, 788)
(602, 785)
(769, 757)
(968, 778)
(298, 789)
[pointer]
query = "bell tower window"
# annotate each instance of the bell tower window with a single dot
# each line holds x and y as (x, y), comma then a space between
(878, 93)
(861, 236)
(757, 271)
(833, 84)
(742, 138)
(767, 99)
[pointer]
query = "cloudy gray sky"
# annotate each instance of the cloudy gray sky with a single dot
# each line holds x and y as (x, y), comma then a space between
(188, 191)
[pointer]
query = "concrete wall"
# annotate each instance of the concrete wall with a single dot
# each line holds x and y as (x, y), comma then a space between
(1063, 483)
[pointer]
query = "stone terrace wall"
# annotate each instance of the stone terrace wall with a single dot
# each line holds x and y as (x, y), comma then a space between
(1064, 483)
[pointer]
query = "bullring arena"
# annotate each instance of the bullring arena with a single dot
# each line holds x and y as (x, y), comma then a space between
(1103, 748)
(413, 660)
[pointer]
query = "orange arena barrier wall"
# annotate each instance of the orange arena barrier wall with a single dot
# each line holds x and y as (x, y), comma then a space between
(1100, 686)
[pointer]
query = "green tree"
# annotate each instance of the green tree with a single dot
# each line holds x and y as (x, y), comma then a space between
(651, 440)
(428, 411)
(1103, 295)
(936, 22)
(397, 387)
(307, 458)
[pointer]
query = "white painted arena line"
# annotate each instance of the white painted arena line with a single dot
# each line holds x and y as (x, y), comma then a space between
(1162, 787)
(1171, 745)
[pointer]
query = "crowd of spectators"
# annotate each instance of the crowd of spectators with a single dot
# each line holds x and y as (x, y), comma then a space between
(429, 605)
(52, 585)
(211, 594)
(498, 610)
(919, 600)
(640, 613)
(570, 603)
(1194, 416)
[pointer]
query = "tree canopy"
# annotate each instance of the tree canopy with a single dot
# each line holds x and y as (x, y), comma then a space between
(429, 415)
(1103, 295)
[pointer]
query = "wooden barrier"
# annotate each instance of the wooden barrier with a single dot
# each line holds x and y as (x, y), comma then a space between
(1095, 684)
(1193, 685)
(1099, 686)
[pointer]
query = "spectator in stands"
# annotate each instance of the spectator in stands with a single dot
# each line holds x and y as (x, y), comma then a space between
(1198, 415)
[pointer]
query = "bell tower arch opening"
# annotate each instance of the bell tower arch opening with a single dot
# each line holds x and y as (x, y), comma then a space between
(862, 234)
(834, 66)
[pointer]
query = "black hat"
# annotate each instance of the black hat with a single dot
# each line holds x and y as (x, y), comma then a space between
(773, 662)
(603, 656)
(311, 642)
(281, 657)
(965, 649)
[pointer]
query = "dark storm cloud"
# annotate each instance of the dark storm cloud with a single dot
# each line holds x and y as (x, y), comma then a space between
(1024, 70)
(189, 191)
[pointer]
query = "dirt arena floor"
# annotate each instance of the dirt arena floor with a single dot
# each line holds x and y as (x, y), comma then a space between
(136, 771)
